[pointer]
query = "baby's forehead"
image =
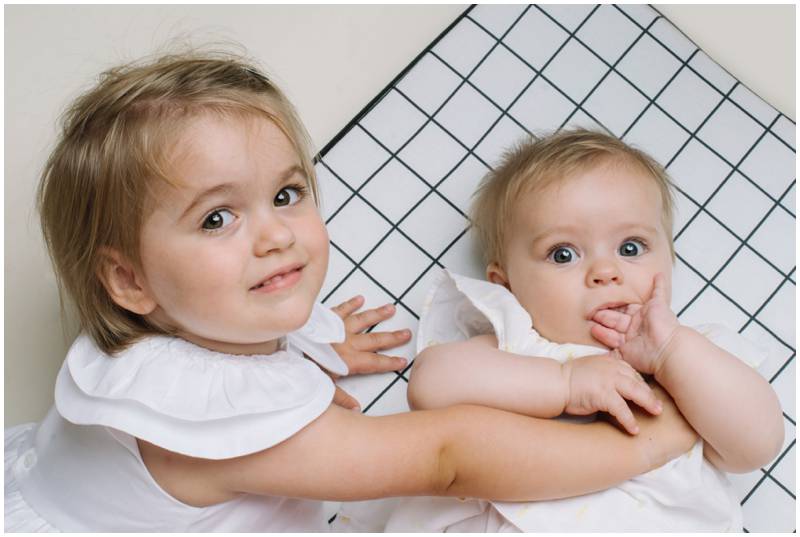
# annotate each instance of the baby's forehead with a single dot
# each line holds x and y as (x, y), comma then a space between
(604, 190)
(591, 176)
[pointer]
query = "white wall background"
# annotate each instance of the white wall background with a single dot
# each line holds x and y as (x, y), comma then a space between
(331, 61)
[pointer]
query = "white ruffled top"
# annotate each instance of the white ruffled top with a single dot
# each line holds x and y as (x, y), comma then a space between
(183, 398)
(458, 308)
(203, 403)
(686, 494)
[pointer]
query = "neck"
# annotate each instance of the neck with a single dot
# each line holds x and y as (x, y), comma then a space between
(264, 347)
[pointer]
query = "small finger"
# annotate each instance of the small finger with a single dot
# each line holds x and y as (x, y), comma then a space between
(619, 409)
(345, 400)
(366, 363)
(637, 390)
(346, 308)
(615, 320)
(631, 309)
(608, 337)
(363, 320)
(659, 287)
(377, 341)
(636, 322)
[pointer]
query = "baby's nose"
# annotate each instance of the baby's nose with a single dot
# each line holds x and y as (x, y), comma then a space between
(604, 273)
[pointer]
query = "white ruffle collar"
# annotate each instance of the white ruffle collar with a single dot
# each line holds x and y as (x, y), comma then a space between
(200, 402)
(459, 307)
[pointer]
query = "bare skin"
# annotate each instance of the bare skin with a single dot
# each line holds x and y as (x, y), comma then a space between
(460, 451)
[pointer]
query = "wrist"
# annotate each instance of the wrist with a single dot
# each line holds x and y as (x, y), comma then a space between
(670, 353)
(566, 381)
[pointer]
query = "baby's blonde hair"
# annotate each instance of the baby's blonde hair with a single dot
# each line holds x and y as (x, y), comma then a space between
(114, 147)
(534, 163)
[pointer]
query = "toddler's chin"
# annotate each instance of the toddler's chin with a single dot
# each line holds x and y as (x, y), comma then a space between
(293, 318)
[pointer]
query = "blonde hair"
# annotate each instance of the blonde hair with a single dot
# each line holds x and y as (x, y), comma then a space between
(533, 164)
(114, 146)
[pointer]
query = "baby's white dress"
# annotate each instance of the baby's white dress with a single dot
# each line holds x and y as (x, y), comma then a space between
(80, 468)
(686, 494)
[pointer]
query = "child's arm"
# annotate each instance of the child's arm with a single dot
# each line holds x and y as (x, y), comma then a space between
(729, 404)
(459, 451)
(477, 372)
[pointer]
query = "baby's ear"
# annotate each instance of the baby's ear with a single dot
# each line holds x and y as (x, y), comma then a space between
(496, 274)
(124, 283)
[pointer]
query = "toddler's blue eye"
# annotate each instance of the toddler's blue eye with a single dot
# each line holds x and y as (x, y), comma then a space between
(218, 219)
(631, 248)
(563, 254)
(287, 196)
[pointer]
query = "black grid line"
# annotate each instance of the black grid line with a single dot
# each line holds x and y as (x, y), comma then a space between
(433, 184)
(540, 72)
(702, 77)
(665, 112)
(381, 94)
(432, 188)
(612, 69)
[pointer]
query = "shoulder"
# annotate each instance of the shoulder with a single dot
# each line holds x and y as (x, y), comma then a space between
(191, 400)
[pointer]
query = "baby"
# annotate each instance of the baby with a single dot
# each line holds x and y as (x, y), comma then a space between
(577, 232)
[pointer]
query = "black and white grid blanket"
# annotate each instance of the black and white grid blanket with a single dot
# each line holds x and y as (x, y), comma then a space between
(396, 182)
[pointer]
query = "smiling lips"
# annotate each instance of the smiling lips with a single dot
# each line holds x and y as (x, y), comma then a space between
(282, 279)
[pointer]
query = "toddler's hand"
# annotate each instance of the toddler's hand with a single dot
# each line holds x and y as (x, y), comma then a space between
(602, 383)
(641, 332)
(359, 349)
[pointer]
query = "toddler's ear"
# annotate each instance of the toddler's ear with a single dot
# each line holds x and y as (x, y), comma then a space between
(123, 282)
(496, 274)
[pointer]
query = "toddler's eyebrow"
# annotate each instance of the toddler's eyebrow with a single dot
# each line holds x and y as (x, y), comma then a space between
(226, 188)
(223, 188)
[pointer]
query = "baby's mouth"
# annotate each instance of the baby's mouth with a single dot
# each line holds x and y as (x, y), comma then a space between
(613, 306)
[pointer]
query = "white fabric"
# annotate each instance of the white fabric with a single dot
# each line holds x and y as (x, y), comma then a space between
(686, 494)
(80, 469)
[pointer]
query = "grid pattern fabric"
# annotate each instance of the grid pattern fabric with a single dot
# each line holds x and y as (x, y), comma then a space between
(396, 182)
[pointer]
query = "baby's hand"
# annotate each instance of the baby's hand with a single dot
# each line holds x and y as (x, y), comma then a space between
(602, 383)
(641, 332)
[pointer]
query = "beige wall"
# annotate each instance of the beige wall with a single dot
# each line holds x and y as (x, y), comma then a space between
(330, 60)
(756, 43)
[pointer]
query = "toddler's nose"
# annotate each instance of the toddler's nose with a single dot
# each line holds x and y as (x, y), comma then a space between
(272, 234)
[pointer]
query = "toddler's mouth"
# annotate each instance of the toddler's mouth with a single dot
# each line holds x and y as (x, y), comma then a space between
(280, 279)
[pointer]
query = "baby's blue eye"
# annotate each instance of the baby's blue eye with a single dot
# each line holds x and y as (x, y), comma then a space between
(218, 219)
(287, 196)
(632, 248)
(563, 254)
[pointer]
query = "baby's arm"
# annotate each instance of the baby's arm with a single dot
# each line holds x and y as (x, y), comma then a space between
(477, 372)
(458, 451)
(729, 404)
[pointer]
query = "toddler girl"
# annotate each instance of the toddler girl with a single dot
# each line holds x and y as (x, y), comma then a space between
(179, 209)
(577, 230)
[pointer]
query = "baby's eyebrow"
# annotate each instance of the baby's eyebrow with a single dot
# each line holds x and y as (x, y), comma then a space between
(538, 237)
(639, 227)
